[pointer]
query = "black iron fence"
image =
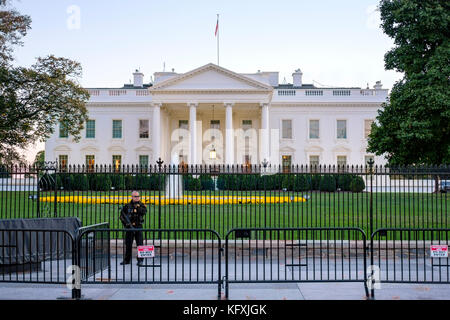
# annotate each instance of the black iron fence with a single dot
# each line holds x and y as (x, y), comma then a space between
(225, 197)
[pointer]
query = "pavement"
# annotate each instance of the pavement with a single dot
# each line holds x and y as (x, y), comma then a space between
(264, 291)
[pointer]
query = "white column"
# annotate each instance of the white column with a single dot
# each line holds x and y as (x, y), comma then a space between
(264, 151)
(156, 131)
(229, 134)
(193, 133)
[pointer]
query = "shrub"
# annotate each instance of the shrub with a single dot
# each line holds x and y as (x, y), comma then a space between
(117, 181)
(301, 183)
(288, 182)
(357, 184)
(327, 183)
(207, 182)
(344, 181)
(315, 181)
(221, 182)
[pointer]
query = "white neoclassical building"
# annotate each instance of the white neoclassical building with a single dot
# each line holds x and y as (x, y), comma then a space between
(242, 118)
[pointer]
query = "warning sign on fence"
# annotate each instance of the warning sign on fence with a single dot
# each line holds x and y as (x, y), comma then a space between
(439, 251)
(146, 251)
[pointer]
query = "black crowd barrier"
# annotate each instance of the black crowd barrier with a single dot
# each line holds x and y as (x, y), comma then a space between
(270, 255)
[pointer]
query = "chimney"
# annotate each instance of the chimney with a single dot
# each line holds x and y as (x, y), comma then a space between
(138, 78)
(377, 85)
(297, 78)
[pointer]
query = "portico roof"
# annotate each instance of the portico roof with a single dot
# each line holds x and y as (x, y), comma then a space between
(210, 78)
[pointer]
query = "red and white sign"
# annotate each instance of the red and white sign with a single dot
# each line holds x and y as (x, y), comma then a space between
(146, 251)
(439, 251)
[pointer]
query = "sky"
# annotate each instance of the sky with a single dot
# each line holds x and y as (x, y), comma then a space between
(334, 43)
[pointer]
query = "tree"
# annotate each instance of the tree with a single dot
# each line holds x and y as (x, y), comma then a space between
(33, 100)
(39, 160)
(414, 126)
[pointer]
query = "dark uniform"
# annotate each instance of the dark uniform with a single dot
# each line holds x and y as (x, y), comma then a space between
(135, 212)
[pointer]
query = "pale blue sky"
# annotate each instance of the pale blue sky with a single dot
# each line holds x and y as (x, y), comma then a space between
(336, 43)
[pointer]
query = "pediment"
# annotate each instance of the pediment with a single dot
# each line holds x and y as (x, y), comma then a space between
(89, 149)
(314, 149)
(143, 149)
(341, 149)
(116, 149)
(210, 78)
(287, 149)
(62, 148)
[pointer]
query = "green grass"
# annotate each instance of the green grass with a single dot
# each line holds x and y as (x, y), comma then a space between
(339, 209)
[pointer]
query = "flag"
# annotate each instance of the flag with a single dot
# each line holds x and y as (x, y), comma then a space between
(217, 26)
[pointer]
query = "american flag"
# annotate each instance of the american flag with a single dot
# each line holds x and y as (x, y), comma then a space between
(217, 26)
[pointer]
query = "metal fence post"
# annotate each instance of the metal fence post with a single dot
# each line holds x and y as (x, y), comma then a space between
(370, 163)
(38, 192)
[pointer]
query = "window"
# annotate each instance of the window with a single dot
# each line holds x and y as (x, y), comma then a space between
(117, 161)
(143, 160)
(314, 163)
(341, 129)
(246, 124)
(63, 159)
(90, 129)
(90, 162)
(314, 129)
(63, 132)
(183, 124)
(286, 129)
(342, 163)
(215, 125)
(367, 127)
(143, 129)
(286, 163)
(117, 129)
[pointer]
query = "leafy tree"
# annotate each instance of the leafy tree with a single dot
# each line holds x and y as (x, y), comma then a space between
(39, 159)
(414, 126)
(33, 100)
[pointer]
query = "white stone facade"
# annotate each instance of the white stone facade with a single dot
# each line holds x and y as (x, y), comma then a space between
(280, 121)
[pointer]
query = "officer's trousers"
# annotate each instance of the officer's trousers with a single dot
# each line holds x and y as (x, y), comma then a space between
(129, 237)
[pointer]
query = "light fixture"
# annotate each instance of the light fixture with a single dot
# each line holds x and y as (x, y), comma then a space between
(212, 152)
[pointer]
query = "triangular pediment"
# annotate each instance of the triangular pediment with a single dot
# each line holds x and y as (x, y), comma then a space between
(210, 78)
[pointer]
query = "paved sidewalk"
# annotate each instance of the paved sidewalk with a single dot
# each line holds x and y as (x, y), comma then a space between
(289, 291)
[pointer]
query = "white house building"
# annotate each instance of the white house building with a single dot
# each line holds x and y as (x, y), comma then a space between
(243, 118)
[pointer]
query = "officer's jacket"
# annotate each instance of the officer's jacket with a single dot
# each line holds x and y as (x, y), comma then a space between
(135, 213)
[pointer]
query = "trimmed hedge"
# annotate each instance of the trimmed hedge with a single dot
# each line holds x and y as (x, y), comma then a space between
(357, 184)
(327, 183)
(244, 182)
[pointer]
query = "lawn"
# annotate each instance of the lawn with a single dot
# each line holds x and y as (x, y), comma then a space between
(323, 209)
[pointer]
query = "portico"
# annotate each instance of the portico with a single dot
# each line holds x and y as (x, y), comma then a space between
(211, 108)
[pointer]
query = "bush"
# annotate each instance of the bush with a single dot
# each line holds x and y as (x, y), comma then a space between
(301, 183)
(328, 183)
(344, 181)
(207, 182)
(79, 182)
(315, 181)
(221, 182)
(357, 184)
(288, 182)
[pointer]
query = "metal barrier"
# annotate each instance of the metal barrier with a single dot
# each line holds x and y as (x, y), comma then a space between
(91, 257)
(182, 256)
(408, 259)
(36, 255)
(270, 255)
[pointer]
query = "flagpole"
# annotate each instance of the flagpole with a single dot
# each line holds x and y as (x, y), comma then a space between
(218, 39)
